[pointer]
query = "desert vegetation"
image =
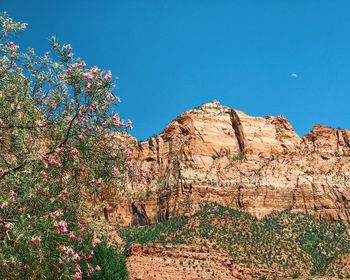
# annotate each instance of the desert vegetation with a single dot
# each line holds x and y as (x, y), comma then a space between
(295, 244)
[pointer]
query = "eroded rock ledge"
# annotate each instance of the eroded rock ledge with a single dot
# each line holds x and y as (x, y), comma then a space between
(187, 263)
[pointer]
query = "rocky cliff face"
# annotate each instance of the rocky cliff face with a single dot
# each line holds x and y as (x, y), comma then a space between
(255, 164)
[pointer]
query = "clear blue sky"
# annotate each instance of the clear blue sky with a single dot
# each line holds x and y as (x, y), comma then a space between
(174, 55)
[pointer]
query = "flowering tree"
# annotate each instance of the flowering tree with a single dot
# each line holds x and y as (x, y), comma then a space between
(58, 147)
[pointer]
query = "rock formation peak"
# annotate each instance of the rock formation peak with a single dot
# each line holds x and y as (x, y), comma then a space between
(211, 104)
(255, 164)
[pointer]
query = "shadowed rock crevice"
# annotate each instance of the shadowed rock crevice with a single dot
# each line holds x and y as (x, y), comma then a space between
(238, 129)
(139, 213)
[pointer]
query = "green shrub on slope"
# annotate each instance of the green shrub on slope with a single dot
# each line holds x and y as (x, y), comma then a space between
(283, 241)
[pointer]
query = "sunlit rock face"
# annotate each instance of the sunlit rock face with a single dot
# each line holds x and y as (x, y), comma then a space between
(255, 164)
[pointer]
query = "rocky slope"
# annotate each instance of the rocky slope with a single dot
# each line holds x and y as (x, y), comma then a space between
(255, 164)
(219, 242)
(187, 263)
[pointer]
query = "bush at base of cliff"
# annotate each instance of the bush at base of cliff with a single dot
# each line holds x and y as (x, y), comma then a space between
(59, 157)
(112, 264)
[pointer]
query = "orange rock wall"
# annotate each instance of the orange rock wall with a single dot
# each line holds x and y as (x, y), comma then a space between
(255, 164)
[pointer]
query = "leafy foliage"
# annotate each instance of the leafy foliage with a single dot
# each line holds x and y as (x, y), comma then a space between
(58, 147)
(157, 232)
(112, 264)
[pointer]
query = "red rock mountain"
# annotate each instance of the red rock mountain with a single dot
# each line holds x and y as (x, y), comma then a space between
(255, 164)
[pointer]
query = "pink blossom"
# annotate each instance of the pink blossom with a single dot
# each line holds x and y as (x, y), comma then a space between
(125, 178)
(28, 138)
(1, 122)
(43, 174)
(51, 161)
(61, 227)
(67, 250)
(97, 268)
(72, 236)
(80, 137)
(78, 276)
(90, 271)
(63, 195)
(129, 124)
(76, 257)
(128, 165)
(68, 47)
(87, 76)
(27, 172)
(89, 257)
(4, 264)
(99, 182)
(87, 129)
(96, 182)
(115, 171)
(57, 214)
(13, 194)
(2, 171)
(95, 69)
(143, 170)
(96, 242)
(74, 152)
(108, 76)
(4, 205)
(53, 105)
(106, 135)
(8, 226)
(110, 96)
(35, 240)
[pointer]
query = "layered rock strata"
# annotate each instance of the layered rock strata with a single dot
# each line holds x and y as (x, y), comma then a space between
(187, 263)
(255, 164)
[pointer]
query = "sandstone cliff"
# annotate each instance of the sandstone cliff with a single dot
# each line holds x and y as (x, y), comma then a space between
(255, 164)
